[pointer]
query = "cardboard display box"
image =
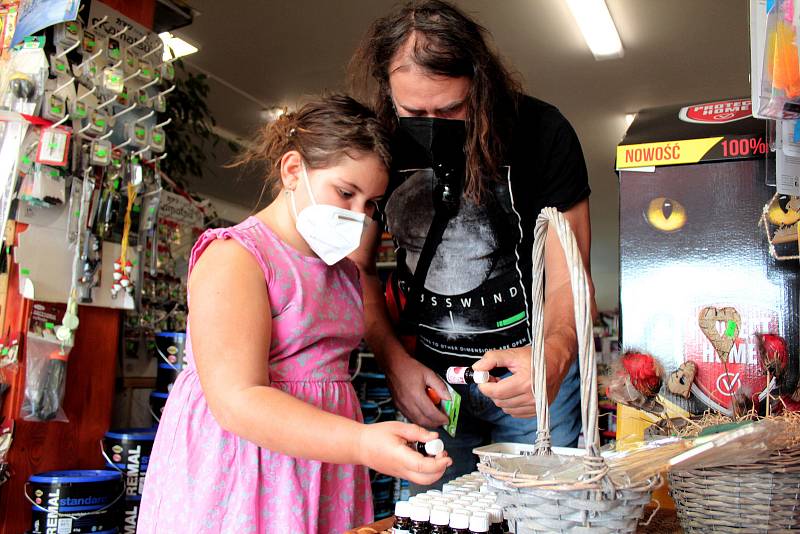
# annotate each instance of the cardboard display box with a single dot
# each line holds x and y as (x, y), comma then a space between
(692, 190)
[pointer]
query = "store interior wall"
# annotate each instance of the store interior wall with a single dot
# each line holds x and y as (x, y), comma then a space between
(261, 54)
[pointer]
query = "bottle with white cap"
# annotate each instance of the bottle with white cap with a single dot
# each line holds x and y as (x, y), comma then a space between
(466, 375)
(496, 519)
(420, 519)
(447, 487)
(440, 521)
(479, 523)
(459, 522)
(402, 518)
(431, 448)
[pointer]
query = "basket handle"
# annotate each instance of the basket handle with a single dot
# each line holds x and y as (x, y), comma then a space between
(581, 295)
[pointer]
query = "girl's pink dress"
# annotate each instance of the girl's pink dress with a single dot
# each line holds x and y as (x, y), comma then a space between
(202, 478)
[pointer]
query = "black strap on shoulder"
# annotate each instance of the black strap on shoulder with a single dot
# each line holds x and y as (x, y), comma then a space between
(447, 192)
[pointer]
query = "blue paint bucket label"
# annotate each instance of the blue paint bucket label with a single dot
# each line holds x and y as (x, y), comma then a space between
(157, 402)
(130, 515)
(170, 347)
(128, 450)
(166, 375)
(75, 502)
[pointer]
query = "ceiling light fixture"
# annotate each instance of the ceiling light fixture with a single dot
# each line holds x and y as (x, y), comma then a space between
(629, 119)
(175, 46)
(597, 27)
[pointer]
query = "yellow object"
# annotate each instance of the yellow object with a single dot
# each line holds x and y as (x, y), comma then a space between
(631, 424)
(664, 153)
(666, 214)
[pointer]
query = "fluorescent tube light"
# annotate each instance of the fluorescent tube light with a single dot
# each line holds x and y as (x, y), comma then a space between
(178, 46)
(597, 27)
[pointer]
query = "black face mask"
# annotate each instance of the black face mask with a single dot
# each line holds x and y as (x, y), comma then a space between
(440, 144)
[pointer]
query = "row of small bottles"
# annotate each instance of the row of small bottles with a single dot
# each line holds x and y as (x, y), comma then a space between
(465, 505)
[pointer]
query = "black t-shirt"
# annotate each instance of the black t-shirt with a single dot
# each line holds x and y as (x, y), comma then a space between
(477, 291)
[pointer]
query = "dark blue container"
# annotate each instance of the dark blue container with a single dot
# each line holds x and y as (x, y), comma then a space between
(166, 375)
(171, 348)
(129, 451)
(157, 402)
(130, 515)
(76, 501)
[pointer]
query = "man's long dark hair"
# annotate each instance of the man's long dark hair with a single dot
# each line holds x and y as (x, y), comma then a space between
(449, 43)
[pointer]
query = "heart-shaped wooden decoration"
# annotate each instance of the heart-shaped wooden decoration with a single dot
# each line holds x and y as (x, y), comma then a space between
(730, 320)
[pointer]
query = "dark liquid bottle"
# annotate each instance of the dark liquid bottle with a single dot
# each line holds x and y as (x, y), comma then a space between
(479, 524)
(431, 448)
(420, 520)
(459, 523)
(466, 375)
(440, 521)
(496, 519)
(402, 518)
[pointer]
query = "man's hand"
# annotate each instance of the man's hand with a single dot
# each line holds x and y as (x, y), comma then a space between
(407, 381)
(514, 394)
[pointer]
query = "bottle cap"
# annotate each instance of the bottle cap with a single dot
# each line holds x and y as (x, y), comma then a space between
(422, 497)
(476, 509)
(433, 492)
(496, 514)
(402, 509)
(434, 447)
(459, 519)
(479, 522)
(448, 487)
(440, 516)
(420, 512)
(480, 377)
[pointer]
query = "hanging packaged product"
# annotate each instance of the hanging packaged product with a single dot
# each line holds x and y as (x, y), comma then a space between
(45, 379)
(779, 94)
(68, 34)
(28, 68)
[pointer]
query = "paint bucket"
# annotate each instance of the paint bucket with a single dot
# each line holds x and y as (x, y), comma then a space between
(383, 496)
(130, 515)
(76, 501)
(128, 450)
(371, 412)
(157, 402)
(388, 413)
(170, 347)
(166, 374)
(365, 384)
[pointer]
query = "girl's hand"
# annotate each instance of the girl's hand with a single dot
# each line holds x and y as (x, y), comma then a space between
(384, 448)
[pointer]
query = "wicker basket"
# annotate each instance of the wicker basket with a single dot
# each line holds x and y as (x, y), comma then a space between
(590, 502)
(758, 498)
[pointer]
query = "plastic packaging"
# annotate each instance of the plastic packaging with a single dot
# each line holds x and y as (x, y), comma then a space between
(45, 380)
(779, 93)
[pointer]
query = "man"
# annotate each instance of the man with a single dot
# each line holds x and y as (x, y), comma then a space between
(473, 164)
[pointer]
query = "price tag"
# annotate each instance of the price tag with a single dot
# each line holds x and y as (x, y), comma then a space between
(53, 147)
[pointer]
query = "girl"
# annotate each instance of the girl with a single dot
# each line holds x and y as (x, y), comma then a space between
(261, 429)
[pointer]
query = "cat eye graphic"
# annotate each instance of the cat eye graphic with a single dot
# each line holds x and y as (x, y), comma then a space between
(665, 214)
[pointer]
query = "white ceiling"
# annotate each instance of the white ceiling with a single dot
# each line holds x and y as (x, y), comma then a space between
(676, 51)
